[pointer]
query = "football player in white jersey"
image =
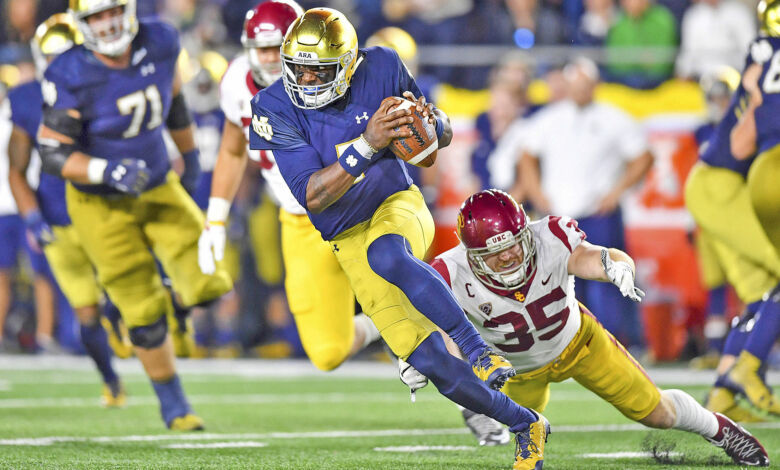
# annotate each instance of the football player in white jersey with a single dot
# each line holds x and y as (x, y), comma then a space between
(515, 280)
(318, 291)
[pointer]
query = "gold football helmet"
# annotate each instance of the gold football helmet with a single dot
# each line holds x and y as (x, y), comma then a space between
(109, 37)
(323, 41)
(399, 40)
(769, 17)
(53, 37)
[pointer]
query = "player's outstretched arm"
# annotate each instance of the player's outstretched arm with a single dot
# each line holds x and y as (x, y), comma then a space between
(326, 186)
(180, 125)
(56, 140)
(19, 151)
(598, 263)
(228, 172)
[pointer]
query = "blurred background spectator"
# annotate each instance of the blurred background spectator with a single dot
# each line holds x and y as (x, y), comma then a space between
(702, 49)
(640, 43)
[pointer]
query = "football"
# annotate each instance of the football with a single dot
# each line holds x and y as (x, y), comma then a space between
(419, 149)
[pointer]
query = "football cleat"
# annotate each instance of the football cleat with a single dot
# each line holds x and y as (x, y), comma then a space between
(529, 445)
(488, 432)
(118, 338)
(744, 377)
(740, 445)
(721, 400)
(493, 369)
(188, 422)
(113, 395)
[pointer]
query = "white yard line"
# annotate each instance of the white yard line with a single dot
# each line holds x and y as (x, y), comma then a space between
(292, 368)
(423, 448)
(216, 445)
(45, 441)
(626, 455)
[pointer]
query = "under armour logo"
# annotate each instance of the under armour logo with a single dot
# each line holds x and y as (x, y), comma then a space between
(119, 172)
(335, 247)
(351, 160)
(360, 118)
(147, 69)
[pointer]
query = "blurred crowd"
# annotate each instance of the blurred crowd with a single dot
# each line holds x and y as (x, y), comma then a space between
(513, 73)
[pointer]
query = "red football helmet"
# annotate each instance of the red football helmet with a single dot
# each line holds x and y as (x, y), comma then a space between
(489, 222)
(265, 26)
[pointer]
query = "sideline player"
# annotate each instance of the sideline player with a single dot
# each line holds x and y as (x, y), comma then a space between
(44, 210)
(756, 137)
(105, 104)
(718, 198)
(317, 289)
(328, 124)
(515, 280)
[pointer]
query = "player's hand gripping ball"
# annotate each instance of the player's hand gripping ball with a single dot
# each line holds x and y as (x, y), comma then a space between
(419, 149)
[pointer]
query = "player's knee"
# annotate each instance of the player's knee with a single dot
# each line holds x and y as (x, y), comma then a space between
(386, 255)
(150, 336)
(328, 358)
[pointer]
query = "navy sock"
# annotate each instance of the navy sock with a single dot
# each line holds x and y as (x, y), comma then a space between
(111, 312)
(716, 298)
(173, 403)
(95, 341)
(767, 327)
(455, 380)
(391, 258)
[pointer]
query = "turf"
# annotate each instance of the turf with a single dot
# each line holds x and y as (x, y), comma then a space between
(310, 422)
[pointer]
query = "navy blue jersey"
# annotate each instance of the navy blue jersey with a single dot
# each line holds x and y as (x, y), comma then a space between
(123, 110)
(208, 133)
(26, 110)
(715, 148)
(307, 140)
(766, 51)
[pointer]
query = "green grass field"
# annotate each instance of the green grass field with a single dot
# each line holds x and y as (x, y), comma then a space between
(284, 415)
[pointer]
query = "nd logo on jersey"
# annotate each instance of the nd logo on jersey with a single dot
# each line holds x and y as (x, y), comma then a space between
(262, 128)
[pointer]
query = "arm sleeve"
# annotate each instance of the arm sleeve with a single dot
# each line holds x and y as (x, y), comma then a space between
(228, 91)
(566, 230)
(297, 160)
(56, 93)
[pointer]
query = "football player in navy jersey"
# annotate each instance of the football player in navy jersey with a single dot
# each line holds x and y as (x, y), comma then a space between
(328, 127)
(755, 142)
(105, 104)
(44, 210)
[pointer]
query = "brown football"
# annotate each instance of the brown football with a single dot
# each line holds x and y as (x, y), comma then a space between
(419, 149)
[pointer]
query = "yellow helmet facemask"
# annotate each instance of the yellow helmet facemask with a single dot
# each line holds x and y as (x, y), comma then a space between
(769, 17)
(125, 26)
(53, 37)
(324, 40)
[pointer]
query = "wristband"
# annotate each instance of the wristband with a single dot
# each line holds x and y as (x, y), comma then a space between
(353, 161)
(364, 148)
(218, 210)
(96, 168)
(191, 158)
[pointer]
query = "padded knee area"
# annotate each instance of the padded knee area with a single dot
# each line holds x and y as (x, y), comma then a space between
(327, 358)
(387, 255)
(151, 336)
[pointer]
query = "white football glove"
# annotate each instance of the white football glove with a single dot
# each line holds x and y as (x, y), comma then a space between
(621, 274)
(411, 377)
(211, 247)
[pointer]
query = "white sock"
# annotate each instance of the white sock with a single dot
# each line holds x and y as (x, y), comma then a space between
(691, 416)
(364, 324)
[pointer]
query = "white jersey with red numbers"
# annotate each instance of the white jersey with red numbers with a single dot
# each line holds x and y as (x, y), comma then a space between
(236, 91)
(535, 323)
